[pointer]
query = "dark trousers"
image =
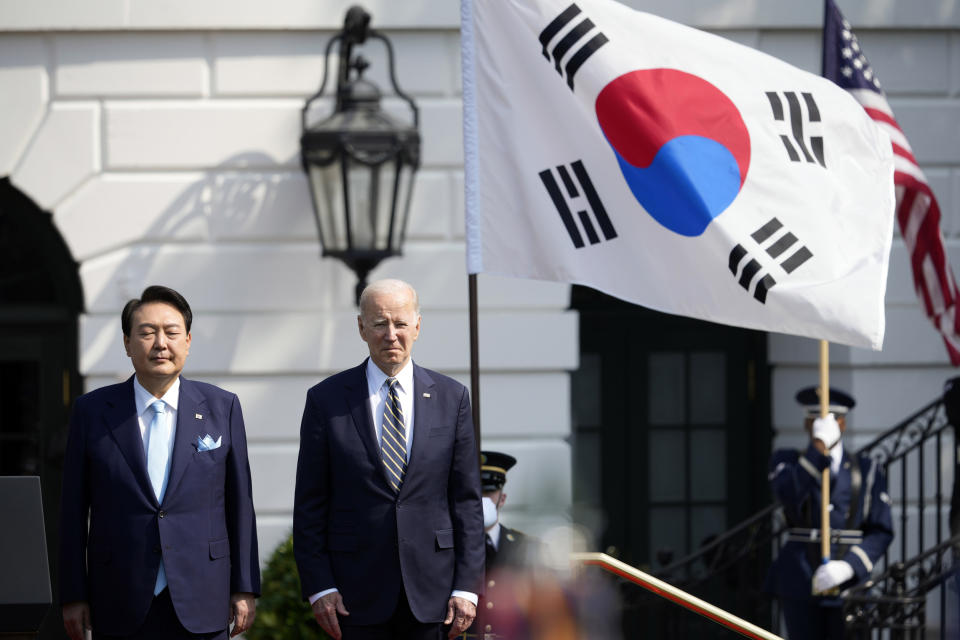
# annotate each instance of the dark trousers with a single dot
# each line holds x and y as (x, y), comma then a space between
(402, 625)
(809, 620)
(162, 624)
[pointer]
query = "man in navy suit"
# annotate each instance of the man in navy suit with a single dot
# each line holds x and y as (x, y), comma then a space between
(388, 524)
(861, 525)
(158, 534)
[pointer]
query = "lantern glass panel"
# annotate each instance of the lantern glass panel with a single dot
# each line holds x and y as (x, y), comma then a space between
(403, 196)
(365, 197)
(326, 183)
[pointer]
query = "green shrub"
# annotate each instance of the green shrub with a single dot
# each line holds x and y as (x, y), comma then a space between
(282, 614)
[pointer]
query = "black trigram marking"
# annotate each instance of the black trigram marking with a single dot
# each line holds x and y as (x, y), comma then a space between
(578, 36)
(779, 241)
(795, 143)
(571, 196)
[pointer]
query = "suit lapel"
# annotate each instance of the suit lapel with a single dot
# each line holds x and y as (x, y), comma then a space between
(121, 418)
(190, 404)
(358, 401)
(424, 415)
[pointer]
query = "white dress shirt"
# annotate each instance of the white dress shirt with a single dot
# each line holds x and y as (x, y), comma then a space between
(494, 535)
(143, 400)
(836, 456)
(379, 391)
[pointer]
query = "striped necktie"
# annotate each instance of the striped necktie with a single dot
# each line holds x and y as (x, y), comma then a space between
(393, 439)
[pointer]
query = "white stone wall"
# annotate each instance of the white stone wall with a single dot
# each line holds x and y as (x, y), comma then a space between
(163, 136)
(165, 143)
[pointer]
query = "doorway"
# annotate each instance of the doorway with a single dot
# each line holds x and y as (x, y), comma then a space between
(40, 300)
(672, 429)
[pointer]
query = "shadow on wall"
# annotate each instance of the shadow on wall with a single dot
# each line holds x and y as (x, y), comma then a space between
(240, 243)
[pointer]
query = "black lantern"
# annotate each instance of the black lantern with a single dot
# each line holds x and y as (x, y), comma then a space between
(360, 161)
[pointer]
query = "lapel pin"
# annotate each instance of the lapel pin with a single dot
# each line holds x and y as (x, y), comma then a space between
(198, 416)
(426, 395)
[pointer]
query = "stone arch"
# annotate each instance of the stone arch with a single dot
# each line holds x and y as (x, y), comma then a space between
(41, 298)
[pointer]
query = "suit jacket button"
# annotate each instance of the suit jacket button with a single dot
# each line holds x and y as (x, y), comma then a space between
(491, 584)
(488, 628)
(489, 605)
(162, 513)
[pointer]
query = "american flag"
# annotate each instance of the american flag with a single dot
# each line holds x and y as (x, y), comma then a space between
(917, 211)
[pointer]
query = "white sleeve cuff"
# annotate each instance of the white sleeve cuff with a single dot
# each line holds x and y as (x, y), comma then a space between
(320, 594)
(466, 595)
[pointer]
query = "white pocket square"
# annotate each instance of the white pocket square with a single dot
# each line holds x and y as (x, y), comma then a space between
(207, 443)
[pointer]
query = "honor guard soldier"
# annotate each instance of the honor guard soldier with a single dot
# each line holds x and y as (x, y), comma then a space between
(860, 522)
(508, 552)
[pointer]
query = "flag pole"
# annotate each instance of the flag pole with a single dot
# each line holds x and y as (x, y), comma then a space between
(825, 474)
(474, 360)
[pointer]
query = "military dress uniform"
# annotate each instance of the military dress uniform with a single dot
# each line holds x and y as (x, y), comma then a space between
(508, 561)
(506, 564)
(860, 525)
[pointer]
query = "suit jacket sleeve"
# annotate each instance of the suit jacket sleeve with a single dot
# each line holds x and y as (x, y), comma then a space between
(241, 518)
(74, 508)
(465, 505)
(311, 503)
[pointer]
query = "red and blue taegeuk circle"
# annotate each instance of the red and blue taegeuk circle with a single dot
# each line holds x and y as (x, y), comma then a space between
(681, 143)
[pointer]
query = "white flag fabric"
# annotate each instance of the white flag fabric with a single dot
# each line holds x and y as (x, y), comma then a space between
(672, 168)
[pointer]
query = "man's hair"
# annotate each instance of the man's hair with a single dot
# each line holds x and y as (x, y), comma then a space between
(389, 286)
(156, 293)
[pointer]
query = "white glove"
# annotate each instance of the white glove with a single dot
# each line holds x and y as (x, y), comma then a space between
(826, 430)
(829, 575)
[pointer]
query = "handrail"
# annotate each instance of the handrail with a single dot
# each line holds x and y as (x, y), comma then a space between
(668, 591)
(756, 526)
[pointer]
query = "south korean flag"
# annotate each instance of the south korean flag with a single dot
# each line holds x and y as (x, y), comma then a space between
(723, 184)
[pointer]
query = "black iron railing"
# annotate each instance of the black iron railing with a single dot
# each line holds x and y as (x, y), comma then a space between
(920, 456)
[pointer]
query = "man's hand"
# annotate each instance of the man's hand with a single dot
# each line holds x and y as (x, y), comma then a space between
(243, 609)
(325, 610)
(826, 430)
(76, 619)
(831, 574)
(460, 615)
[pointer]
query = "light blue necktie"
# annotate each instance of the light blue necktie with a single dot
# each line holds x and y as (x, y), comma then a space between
(158, 458)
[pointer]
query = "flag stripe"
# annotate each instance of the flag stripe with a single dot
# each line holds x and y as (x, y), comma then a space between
(794, 156)
(765, 284)
(763, 233)
(883, 117)
(556, 25)
(775, 105)
(567, 181)
(816, 145)
(567, 41)
(554, 190)
(798, 258)
(782, 245)
(748, 272)
(581, 56)
(811, 107)
(588, 227)
(736, 255)
(796, 123)
(594, 199)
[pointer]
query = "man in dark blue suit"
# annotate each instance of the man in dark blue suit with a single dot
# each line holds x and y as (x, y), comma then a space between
(158, 534)
(860, 521)
(388, 524)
